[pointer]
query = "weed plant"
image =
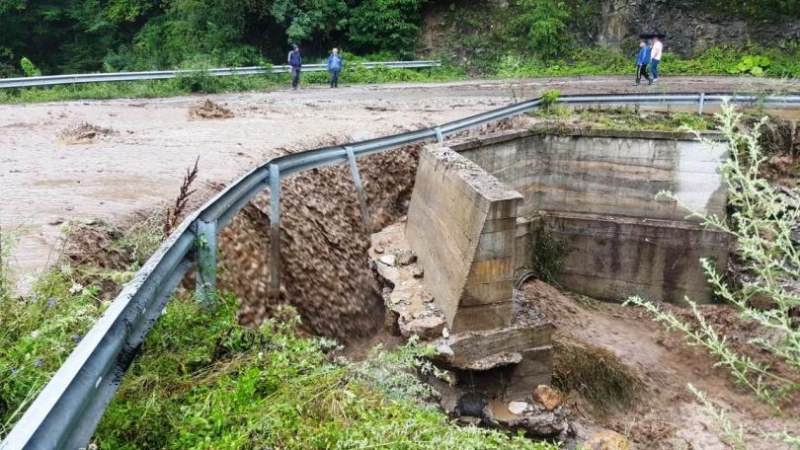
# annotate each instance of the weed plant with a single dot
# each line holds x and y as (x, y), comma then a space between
(37, 333)
(761, 226)
(204, 382)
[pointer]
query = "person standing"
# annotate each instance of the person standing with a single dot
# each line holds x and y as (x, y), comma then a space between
(295, 62)
(642, 60)
(335, 67)
(655, 56)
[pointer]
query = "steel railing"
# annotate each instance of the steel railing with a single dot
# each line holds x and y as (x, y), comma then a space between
(67, 410)
(52, 80)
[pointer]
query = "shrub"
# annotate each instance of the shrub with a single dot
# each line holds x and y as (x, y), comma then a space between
(29, 68)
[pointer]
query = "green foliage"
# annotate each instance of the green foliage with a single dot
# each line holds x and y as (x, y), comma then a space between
(204, 382)
(29, 68)
(754, 65)
(543, 27)
(761, 226)
(36, 335)
(549, 100)
(548, 252)
(389, 25)
(308, 20)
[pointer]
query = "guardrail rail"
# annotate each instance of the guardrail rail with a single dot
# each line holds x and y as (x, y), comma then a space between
(68, 409)
(52, 80)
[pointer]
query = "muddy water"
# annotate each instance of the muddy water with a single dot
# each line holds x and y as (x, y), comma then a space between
(325, 270)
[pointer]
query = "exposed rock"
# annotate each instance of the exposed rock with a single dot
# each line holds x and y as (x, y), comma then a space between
(423, 297)
(469, 421)
(492, 362)
(444, 349)
(547, 397)
(426, 328)
(471, 404)
(533, 421)
(379, 249)
(607, 440)
(389, 260)
(518, 407)
(406, 257)
(418, 272)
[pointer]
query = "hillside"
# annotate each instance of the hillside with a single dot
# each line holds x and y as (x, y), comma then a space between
(84, 35)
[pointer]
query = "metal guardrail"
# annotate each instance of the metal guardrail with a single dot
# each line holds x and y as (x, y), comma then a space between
(68, 409)
(52, 80)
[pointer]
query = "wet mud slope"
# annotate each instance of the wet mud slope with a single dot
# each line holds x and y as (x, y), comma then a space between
(325, 271)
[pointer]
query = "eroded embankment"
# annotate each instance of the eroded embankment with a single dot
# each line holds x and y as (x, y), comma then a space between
(325, 271)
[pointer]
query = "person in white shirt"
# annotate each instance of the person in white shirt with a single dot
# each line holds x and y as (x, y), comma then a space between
(655, 57)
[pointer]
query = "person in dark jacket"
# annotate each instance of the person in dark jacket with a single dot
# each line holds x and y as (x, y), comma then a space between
(335, 63)
(295, 62)
(642, 60)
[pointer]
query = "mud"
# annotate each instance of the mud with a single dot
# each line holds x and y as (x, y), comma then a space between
(210, 110)
(325, 269)
(661, 413)
(83, 133)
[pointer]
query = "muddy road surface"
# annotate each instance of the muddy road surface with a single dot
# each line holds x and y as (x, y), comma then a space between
(112, 159)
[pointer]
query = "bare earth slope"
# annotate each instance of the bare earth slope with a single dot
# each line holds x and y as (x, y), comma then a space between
(132, 154)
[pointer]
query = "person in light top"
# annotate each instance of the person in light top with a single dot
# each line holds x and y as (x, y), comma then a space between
(642, 60)
(335, 67)
(655, 56)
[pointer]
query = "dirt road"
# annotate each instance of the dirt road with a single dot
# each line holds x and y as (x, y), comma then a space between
(135, 161)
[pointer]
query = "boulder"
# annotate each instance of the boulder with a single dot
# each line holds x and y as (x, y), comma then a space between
(427, 328)
(547, 397)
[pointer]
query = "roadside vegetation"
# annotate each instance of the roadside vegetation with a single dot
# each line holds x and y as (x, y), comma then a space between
(763, 287)
(542, 38)
(202, 381)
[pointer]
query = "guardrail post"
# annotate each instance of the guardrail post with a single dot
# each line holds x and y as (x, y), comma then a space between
(702, 103)
(362, 198)
(275, 228)
(205, 247)
(439, 136)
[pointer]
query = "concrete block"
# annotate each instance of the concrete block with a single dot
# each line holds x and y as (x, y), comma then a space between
(483, 317)
(474, 346)
(461, 225)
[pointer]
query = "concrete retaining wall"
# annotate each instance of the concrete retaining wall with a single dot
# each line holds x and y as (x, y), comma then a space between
(461, 225)
(609, 173)
(597, 191)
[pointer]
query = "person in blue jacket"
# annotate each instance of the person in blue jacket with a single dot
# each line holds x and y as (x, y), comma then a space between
(642, 60)
(335, 63)
(295, 62)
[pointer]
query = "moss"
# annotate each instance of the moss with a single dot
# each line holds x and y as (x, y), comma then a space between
(547, 251)
(595, 374)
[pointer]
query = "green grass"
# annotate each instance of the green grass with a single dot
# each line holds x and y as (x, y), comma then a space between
(37, 333)
(585, 62)
(202, 381)
(207, 84)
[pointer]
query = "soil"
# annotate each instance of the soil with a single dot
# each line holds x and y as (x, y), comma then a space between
(325, 271)
(210, 110)
(664, 414)
(47, 183)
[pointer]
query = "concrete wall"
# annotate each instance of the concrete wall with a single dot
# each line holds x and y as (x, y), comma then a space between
(615, 174)
(461, 225)
(613, 258)
(597, 192)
